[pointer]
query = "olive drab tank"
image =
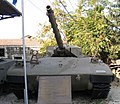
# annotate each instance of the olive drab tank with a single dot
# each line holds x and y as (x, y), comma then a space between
(7, 10)
(86, 73)
(5, 64)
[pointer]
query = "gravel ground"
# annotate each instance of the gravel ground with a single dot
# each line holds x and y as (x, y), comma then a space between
(113, 98)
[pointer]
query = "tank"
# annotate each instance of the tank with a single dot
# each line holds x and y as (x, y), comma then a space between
(87, 73)
(5, 64)
(7, 10)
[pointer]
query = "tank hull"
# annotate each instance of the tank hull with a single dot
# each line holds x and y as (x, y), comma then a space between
(63, 66)
(84, 74)
(5, 64)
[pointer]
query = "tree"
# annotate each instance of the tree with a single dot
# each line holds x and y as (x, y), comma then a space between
(89, 27)
(113, 19)
(92, 31)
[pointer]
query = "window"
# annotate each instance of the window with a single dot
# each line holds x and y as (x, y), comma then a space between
(2, 52)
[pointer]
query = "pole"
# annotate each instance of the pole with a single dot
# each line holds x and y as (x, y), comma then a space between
(24, 56)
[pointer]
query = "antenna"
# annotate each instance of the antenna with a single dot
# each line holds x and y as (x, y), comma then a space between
(24, 55)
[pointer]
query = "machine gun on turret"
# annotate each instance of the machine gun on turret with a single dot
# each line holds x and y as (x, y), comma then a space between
(60, 51)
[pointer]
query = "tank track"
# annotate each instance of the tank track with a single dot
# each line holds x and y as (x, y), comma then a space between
(100, 91)
(20, 94)
(18, 90)
(1, 90)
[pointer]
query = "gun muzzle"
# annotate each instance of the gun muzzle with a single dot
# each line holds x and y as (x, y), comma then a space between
(52, 20)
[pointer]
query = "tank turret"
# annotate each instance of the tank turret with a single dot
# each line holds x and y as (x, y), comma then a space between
(60, 51)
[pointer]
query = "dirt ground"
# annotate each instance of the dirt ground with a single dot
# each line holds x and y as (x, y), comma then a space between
(113, 97)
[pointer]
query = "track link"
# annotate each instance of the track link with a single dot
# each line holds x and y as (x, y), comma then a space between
(100, 91)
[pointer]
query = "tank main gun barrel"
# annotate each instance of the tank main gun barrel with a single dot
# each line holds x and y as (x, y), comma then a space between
(61, 51)
(52, 20)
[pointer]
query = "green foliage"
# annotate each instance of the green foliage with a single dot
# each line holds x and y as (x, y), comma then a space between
(115, 52)
(46, 43)
(93, 33)
(90, 29)
(89, 33)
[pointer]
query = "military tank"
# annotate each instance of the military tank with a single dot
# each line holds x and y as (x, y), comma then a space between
(7, 10)
(5, 64)
(87, 73)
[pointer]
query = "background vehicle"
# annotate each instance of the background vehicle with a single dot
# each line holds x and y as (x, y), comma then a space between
(6, 11)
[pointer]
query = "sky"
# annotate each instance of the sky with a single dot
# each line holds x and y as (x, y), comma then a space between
(34, 13)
